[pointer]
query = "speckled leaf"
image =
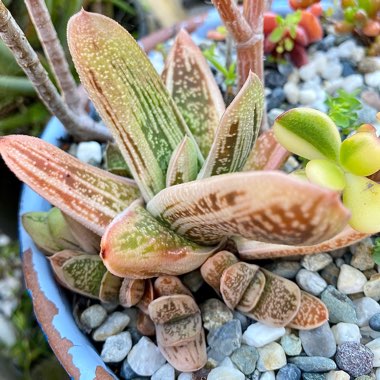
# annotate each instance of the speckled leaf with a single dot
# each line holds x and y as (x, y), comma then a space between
(147, 297)
(237, 131)
(183, 165)
(265, 206)
(109, 288)
(131, 292)
(311, 314)
(144, 324)
(279, 302)
(169, 285)
(129, 96)
(308, 133)
(136, 245)
(36, 225)
(253, 250)
(58, 259)
(253, 293)
(192, 85)
(235, 281)
(214, 267)
(114, 161)
(267, 154)
(90, 195)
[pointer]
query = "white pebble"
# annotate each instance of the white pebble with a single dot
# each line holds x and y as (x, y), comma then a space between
(291, 92)
(308, 71)
(333, 85)
(346, 332)
(311, 282)
(166, 372)
(225, 373)
(352, 82)
(307, 97)
(374, 346)
(350, 280)
(378, 374)
(227, 362)
(365, 308)
(258, 334)
(269, 375)
(90, 152)
(337, 375)
(346, 48)
(332, 71)
(185, 376)
(373, 79)
(271, 357)
(4, 240)
(7, 332)
(116, 347)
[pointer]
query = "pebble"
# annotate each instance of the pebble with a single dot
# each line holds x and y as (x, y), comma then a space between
(364, 377)
(311, 282)
(354, 358)
(226, 338)
(127, 372)
(346, 48)
(93, 316)
(258, 334)
(90, 152)
(245, 359)
(313, 363)
(116, 347)
(319, 341)
(166, 372)
(362, 255)
(274, 79)
(307, 97)
(215, 314)
(346, 332)
(316, 262)
(333, 85)
(185, 376)
(227, 362)
(291, 344)
(369, 64)
(330, 274)
(340, 307)
(145, 357)
(352, 82)
(372, 287)
(374, 346)
(287, 269)
(291, 92)
(115, 323)
(268, 375)
(313, 376)
(350, 280)
(273, 114)
(7, 332)
(244, 320)
(271, 357)
(333, 70)
(276, 98)
(308, 71)
(289, 372)
(348, 68)
(365, 308)
(337, 375)
(372, 79)
(374, 322)
(225, 373)
(193, 280)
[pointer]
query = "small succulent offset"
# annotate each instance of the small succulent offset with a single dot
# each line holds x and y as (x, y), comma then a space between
(205, 190)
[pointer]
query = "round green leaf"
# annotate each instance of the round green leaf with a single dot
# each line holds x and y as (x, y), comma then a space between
(326, 173)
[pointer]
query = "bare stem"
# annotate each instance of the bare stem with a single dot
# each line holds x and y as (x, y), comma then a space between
(81, 127)
(53, 50)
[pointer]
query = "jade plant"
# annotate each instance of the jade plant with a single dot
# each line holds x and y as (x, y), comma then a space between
(205, 191)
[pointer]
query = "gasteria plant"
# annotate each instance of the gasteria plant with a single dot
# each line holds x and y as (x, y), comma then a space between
(202, 183)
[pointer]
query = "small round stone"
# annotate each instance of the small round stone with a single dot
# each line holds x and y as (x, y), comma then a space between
(93, 316)
(90, 152)
(271, 357)
(337, 375)
(268, 375)
(374, 322)
(313, 363)
(287, 269)
(315, 263)
(362, 255)
(350, 280)
(374, 346)
(330, 274)
(365, 308)
(226, 338)
(289, 372)
(215, 314)
(354, 358)
(166, 372)
(346, 332)
(311, 282)
(127, 372)
(372, 287)
(115, 323)
(258, 334)
(291, 344)
(313, 376)
(225, 373)
(245, 359)
(116, 347)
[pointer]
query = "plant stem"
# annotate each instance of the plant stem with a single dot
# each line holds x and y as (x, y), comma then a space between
(81, 127)
(53, 50)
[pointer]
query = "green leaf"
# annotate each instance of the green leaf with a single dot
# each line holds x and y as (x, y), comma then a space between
(362, 197)
(191, 83)
(237, 131)
(129, 96)
(115, 162)
(136, 245)
(266, 206)
(326, 173)
(308, 133)
(109, 288)
(277, 34)
(183, 166)
(288, 44)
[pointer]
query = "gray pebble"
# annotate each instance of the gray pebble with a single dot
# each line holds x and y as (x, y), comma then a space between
(116, 347)
(93, 316)
(226, 338)
(215, 314)
(245, 359)
(166, 372)
(330, 274)
(287, 269)
(316, 262)
(127, 372)
(193, 280)
(244, 320)
(313, 363)
(289, 372)
(313, 376)
(340, 307)
(311, 282)
(319, 341)
(291, 344)
(374, 322)
(362, 255)
(354, 358)
(365, 308)
(114, 324)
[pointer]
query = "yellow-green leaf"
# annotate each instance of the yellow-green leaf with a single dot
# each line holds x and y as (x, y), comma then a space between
(325, 173)
(308, 133)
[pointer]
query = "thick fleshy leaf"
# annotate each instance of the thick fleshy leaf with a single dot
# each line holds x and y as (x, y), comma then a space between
(136, 245)
(145, 325)
(129, 96)
(169, 285)
(253, 293)
(311, 314)
(109, 288)
(131, 292)
(362, 197)
(279, 302)
(265, 206)
(191, 83)
(147, 297)
(325, 173)
(183, 165)
(115, 162)
(308, 133)
(90, 195)
(360, 153)
(253, 250)
(58, 259)
(267, 154)
(237, 131)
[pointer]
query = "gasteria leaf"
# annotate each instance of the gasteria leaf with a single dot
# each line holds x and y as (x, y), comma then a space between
(183, 166)
(91, 196)
(308, 133)
(265, 206)
(237, 131)
(129, 96)
(136, 245)
(190, 82)
(325, 173)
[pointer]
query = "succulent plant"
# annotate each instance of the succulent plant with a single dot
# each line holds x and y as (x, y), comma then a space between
(204, 182)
